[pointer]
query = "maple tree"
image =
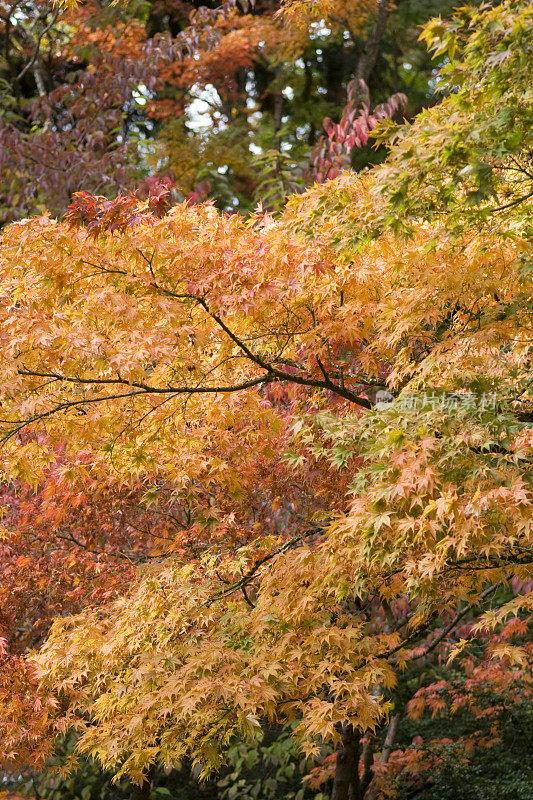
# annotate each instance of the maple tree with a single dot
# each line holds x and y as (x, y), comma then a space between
(242, 367)
(70, 104)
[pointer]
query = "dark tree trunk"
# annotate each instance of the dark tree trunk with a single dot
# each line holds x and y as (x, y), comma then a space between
(346, 781)
(371, 49)
(368, 761)
(142, 791)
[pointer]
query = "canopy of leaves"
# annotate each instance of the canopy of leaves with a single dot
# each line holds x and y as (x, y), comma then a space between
(332, 407)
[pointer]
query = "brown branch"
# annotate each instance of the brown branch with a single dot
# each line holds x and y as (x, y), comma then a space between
(253, 571)
(21, 424)
(35, 55)
(512, 203)
(390, 738)
(280, 374)
(458, 617)
(145, 387)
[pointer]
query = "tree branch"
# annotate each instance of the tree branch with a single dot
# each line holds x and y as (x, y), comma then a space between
(370, 53)
(243, 582)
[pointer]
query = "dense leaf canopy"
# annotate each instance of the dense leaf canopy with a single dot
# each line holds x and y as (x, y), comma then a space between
(291, 452)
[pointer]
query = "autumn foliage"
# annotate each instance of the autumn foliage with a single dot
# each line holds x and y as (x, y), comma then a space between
(275, 469)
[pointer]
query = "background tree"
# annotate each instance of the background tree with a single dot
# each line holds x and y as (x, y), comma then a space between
(99, 97)
(72, 89)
